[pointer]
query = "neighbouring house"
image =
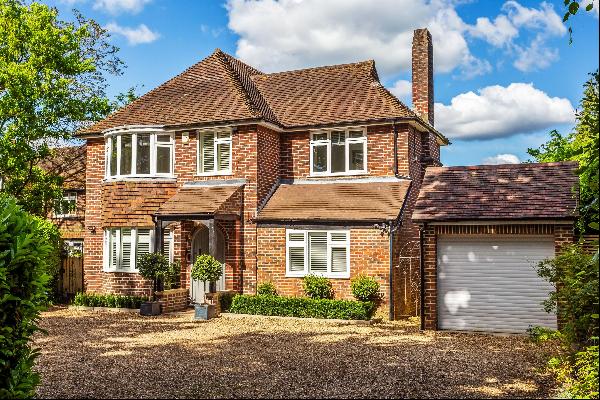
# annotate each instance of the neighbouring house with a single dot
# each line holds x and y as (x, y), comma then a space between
(313, 171)
(68, 213)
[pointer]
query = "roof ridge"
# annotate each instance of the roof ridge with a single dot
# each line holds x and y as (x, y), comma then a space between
(334, 66)
(496, 166)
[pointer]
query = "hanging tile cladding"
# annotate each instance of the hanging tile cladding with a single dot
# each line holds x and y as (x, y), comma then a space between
(132, 204)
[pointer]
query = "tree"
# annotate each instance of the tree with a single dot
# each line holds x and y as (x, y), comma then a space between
(581, 145)
(572, 8)
(52, 82)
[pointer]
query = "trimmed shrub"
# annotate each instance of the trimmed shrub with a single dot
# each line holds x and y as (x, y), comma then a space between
(172, 276)
(207, 269)
(302, 307)
(365, 288)
(266, 289)
(24, 257)
(108, 300)
(225, 300)
(317, 287)
(154, 266)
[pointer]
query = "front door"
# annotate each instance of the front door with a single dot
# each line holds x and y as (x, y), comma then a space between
(200, 246)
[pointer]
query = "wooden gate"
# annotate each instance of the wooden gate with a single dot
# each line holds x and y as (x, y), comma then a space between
(71, 276)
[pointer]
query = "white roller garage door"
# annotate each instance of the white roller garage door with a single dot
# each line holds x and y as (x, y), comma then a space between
(490, 283)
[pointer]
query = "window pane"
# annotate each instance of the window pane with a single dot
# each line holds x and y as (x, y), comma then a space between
(166, 250)
(317, 251)
(338, 153)
(112, 249)
(356, 154)
(143, 243)
(143, 154)
(224, 135)
(113, 157)
(163, 160)
(296, 259)
(296, 237)
(126, 153)
(223, 152)
(319, 158)
(163, 138)
(355, 134)
(338, 236)
(125, 248)
(338, 259)
(319, 136)
(207, 143)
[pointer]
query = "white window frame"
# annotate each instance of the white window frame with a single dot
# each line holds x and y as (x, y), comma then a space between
(111, 140)
(330, 244)
(68, 196)
(134, 240)
(348, 140)
(216, 142)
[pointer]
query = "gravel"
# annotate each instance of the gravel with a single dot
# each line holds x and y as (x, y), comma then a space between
(114, 355)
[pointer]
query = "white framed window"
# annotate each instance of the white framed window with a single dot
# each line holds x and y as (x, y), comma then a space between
(67, 206)
(325, 253)
(124, 246)
(338, 152)
(214, 152)
(140, 155)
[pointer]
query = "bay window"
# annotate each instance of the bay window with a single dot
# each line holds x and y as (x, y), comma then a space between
(139, 154)
(123, 247)
(214, 152)
(325, 253)
(338, 152)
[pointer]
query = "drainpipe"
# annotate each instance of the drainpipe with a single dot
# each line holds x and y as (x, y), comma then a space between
(422, 276)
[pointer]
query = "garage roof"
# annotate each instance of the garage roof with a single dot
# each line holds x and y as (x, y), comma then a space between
(491, 192)
(349, 201)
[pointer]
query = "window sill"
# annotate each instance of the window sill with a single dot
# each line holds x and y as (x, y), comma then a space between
(215, 174)
(120, 271)
(337, 174)
(166, 178)
(328, 276)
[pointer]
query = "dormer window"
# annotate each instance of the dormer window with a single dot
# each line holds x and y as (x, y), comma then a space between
(338, 152)
(139, 155)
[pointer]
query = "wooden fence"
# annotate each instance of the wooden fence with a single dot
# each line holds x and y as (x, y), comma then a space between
(70, 279)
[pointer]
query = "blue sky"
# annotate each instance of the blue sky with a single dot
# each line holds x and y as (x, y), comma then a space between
(505, 74)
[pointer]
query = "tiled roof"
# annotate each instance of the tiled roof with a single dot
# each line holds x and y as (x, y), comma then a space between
(332, 94)
(369, 201)
(221, 88)
(490, 192)
(69, 163)
(207, 200)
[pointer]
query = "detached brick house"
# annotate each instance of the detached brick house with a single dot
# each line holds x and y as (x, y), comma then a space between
(278, 175)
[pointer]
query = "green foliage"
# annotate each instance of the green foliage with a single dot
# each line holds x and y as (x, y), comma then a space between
(572, 7)
(302, 307)
(52, 82)
(207, 269)
(539, 334)
(575, 276)
(365, 288)
(578, 373)
(172, 276)
(317, 287)
(581, 145)
(266, 289)
(225, 300)
(24, 255)
(108, 300)
(49, 233)
(153, 266)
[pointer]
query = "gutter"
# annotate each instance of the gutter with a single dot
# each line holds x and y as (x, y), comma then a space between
(422, 277)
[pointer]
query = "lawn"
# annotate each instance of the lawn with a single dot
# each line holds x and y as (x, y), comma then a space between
(109, 355)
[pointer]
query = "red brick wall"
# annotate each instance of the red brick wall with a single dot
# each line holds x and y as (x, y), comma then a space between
(563, 234)
(93, 240)
(173, 300)
(369, 255)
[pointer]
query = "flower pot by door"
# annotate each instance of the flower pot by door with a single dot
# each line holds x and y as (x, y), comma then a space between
(200, 246)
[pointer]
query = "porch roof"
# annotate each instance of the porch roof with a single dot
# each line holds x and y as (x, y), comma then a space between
(358, 201)
(202, 201)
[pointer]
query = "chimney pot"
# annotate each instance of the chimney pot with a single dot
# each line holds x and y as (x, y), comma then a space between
(422, 74)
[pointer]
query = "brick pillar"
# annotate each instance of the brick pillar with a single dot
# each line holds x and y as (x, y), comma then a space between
(422, 74)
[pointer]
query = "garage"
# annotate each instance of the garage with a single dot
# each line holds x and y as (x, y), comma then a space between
(484, 229)
(490, 283)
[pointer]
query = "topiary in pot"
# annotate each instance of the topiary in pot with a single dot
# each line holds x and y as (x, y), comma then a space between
(206, 268)
(153, 266)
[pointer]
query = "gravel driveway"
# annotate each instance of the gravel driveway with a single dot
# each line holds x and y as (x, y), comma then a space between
(107, 355)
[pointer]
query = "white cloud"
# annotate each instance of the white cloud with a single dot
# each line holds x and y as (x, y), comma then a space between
(314, 32)
(501, 159)
(498, 111)
(118, 6)
(544, 18)
(497, 33)
(535, 56)
(402, 89)
(134, 36)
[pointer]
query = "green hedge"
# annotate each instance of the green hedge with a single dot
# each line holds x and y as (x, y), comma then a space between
(302, 307)
(108, 300)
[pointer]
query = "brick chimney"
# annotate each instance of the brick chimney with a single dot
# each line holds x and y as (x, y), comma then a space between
(422, 74)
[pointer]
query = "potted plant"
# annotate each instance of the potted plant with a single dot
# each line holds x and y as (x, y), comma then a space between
(206, 269)
(153, 266)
